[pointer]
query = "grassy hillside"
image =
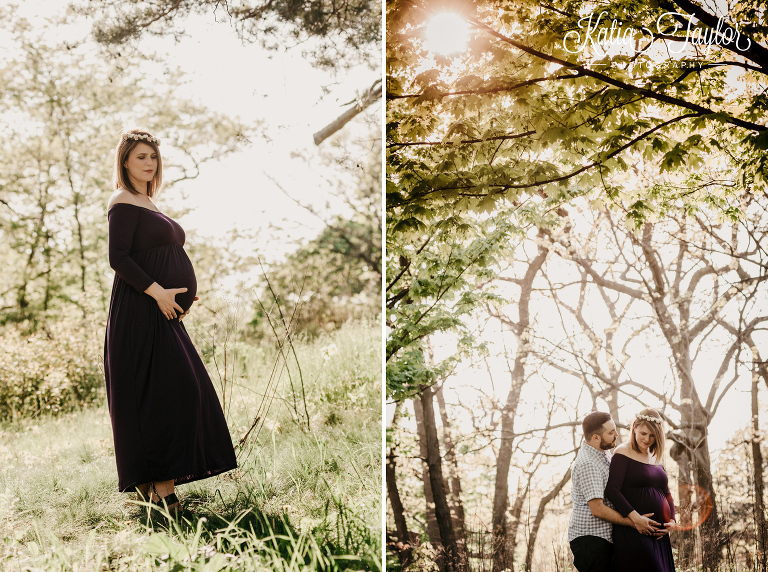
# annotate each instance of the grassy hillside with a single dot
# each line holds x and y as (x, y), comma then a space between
(300, 500)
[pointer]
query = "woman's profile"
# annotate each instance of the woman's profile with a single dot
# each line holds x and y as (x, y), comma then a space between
(167, 423)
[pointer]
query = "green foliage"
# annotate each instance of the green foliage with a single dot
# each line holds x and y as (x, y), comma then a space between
(50, 372)
(516, 116)
(336, 276)
(407, 374)
(335, 33)
(432, 276)
(424, 559)
(62, 112)
(326, 282)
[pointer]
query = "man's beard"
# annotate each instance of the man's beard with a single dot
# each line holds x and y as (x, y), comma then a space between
(605, 445)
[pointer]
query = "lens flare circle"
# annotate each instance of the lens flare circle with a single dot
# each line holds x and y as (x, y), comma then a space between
(697, 511)
(447, 34)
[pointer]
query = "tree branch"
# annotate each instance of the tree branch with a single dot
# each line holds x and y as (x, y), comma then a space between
(701, 110)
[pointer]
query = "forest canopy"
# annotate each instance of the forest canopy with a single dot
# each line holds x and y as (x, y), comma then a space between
(562, 202)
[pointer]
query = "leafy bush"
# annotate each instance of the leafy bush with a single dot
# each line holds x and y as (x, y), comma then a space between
(51, 371)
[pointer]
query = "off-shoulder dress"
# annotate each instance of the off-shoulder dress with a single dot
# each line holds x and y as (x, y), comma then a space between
(167, 421)
(633, 485)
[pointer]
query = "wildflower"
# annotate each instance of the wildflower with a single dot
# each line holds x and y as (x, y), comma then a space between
(329, 351)
(208, 551)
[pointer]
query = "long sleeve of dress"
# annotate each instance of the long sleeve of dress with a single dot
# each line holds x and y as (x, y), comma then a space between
(616, 475)
(671, 504)
(122, 228)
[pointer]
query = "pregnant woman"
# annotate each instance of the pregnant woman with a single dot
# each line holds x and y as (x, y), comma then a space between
(167, 422)
(637, 484)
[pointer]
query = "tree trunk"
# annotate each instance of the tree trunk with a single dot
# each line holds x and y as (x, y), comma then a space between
(76, 203)
(757, 465)
(453, 557)
(691, 452)
(685, 539)
(712, 535)
(694, 416)
(433, 531)
(38, 241)
(760, 369)
(501, 559)
(514, 524)
(540, 516)
(404, 549)
(454, 494)
(694, 421)
(76, 199)
(48, 271)
(403, 536)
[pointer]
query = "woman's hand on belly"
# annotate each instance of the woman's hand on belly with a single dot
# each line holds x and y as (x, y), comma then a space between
(187, 312)
(166, 299)
(668, 527)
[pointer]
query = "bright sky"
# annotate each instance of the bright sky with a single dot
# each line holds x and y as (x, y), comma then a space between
(280, 88)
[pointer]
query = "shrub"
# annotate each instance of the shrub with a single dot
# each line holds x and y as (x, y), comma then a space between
(50, 371)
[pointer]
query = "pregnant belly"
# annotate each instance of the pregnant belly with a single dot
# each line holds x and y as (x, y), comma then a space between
(171, 268)
(651, 500)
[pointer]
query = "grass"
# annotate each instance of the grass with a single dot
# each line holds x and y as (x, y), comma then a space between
(300, 500)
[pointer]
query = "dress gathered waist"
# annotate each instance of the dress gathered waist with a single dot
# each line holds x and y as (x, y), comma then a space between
(158, 247)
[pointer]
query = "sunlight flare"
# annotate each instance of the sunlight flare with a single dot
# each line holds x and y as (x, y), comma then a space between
(447, 34)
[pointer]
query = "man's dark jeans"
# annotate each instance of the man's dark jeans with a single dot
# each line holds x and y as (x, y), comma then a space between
(592, 554)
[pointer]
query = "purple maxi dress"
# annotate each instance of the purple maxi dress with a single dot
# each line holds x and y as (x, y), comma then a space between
(167, 422)
(633, 485)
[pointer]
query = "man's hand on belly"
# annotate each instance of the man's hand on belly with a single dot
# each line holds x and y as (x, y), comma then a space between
(598, 509)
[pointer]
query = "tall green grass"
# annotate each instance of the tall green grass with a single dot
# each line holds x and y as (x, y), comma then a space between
(300, 500)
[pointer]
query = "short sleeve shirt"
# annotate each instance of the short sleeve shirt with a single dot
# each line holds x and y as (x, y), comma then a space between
(589, 476)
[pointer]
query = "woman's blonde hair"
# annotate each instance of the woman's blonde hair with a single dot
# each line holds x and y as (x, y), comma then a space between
(647, 418)
(128, 142)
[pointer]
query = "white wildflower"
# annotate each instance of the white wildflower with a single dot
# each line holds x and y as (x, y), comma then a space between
(329, 351)
(208, 551)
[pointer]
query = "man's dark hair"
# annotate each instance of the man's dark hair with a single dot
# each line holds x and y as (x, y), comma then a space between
(593, 423)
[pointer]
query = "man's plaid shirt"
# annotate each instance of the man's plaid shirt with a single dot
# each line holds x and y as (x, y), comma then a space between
(589, 476)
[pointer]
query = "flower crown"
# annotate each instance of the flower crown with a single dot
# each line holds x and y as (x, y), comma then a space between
(649, 418)
(141, 137)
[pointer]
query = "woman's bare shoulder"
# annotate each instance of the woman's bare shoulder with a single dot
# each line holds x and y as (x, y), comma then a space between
(622, 449)
(121, 196)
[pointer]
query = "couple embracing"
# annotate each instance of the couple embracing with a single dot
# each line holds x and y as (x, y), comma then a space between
(622, 509)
